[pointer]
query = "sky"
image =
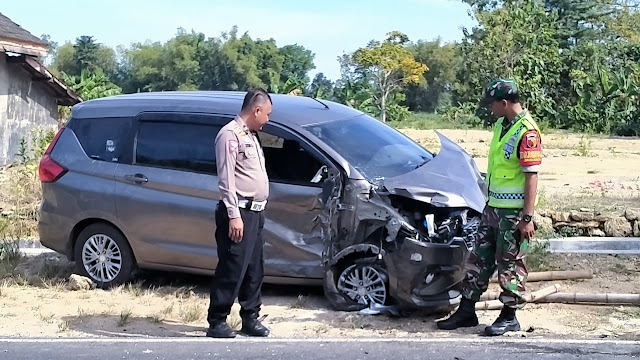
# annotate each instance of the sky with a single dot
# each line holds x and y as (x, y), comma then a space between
(329, 28)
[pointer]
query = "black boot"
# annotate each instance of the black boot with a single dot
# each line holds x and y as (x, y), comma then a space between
(465, 316)
(505, 322)
(251, 326)
(221, 330)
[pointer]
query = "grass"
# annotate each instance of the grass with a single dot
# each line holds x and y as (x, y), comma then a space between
(10, 256)
(540, 258)
(359, 322)
(184, 292)
(135, 289)
(583, 148)
(82, 313)
(234, 320)
(322, 328)
(191, 313)
(621, 269)
(64, 326)
(167, 310)
(48, 318)
(299, 302)
(427, 121)
(603, 202)
(156, 318)
(124, 317)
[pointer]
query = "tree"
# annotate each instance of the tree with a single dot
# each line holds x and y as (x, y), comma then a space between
(180, 58)
(298, 61)
(91, 86)
(141, 67)
(63, 61)
(51, 52)
(321, 87)
(389, 65)
(107, 62)
(85, 53)
(517, 40)
(435, 91)
(249, 63)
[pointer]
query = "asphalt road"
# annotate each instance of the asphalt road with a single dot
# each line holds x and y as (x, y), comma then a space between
(245, 348)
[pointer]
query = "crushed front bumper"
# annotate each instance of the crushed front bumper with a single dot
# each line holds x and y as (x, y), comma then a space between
(424, 274)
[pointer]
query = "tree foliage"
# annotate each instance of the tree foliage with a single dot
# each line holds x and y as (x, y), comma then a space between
(388, 66)
(577, 64)
(91, 86)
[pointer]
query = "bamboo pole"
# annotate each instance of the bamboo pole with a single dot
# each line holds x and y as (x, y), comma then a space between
(592, 299)
(533, 297)
(555, 275)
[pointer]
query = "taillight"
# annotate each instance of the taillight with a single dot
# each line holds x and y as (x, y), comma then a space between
(50, 170)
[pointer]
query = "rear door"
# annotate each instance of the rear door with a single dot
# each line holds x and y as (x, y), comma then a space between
(167, 197)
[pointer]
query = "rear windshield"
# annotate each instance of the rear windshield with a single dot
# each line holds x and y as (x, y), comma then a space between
(376, 150)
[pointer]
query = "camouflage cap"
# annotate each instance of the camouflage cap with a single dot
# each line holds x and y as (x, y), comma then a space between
(499, 90)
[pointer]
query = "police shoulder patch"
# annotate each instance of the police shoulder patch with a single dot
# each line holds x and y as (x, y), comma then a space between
(530, 149)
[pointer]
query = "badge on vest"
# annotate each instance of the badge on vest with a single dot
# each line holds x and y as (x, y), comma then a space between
(510, 146)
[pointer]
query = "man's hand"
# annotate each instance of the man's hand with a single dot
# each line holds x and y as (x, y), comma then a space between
(526, 229)
(236, 229)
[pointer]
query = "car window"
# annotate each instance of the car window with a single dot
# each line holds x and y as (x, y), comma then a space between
(288, 159)
(376, 150)
(104, 139)
(179, 146)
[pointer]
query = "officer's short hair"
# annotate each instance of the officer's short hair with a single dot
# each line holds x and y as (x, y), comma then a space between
(254, 98)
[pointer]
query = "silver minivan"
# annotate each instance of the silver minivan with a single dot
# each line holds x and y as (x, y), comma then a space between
(130, 183)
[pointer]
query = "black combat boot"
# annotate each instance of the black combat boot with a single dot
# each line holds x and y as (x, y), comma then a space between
(465, 316)
(506, 321)
(251, 326)
(221, 330)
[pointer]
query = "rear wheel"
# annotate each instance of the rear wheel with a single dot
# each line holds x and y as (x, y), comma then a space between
(103, 254)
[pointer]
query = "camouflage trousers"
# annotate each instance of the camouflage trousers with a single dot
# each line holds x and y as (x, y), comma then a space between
(497, 247)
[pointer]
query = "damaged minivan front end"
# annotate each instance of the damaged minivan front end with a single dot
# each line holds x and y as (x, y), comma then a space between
(404, 240)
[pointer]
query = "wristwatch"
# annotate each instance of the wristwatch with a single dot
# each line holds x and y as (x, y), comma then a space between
(526, 218)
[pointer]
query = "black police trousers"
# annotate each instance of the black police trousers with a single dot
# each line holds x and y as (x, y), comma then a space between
(240, 267)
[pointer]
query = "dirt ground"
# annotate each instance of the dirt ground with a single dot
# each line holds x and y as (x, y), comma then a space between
(573, 165)
(173, 305)
(594, 172)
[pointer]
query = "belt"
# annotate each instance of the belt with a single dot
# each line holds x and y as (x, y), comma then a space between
(252, 205)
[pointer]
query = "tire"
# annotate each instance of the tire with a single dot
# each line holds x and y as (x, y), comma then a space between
(103, 254)
(361, 282)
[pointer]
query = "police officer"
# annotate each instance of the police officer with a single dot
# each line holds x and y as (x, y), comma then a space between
(244, 188)
(515, 156)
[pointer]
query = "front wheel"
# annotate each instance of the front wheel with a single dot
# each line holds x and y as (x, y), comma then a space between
(103, 254)
(364, 284)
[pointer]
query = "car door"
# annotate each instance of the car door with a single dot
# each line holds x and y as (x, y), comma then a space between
(167, 197)
(297, 218)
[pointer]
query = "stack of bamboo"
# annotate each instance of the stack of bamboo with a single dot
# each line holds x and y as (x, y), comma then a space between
(551, 294)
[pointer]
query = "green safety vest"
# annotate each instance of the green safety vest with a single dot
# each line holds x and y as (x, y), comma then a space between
(506, 179)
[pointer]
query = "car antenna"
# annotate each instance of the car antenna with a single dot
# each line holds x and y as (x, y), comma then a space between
(323, 104)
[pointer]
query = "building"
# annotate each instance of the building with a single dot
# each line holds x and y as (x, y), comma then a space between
(29, 93)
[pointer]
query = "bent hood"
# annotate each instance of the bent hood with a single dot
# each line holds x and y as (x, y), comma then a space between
(451, 179)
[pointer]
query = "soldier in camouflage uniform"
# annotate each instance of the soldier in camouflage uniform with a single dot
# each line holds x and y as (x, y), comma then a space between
(502, 240)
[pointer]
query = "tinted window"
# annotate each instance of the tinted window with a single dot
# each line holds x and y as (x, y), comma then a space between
(104, 139)
(287, 158)
(180, 146)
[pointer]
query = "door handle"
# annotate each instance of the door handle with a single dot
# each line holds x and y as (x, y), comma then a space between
(137, 178)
